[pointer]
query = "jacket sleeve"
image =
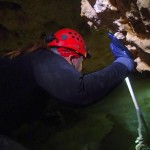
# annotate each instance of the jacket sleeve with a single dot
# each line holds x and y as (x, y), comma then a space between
(64, 83)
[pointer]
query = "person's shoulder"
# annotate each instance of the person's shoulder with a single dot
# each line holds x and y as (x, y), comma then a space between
(43, 55)
(42, 52)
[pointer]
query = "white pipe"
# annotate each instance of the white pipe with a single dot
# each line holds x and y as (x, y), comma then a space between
(138, 113)
(132, 93)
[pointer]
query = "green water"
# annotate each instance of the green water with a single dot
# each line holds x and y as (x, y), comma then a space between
(111, 124)
(120, 110)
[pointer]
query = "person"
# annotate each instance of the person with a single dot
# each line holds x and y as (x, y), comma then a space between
(29, 77)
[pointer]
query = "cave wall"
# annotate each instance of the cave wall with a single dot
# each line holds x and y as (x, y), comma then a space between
(129, 20)
(24, 22)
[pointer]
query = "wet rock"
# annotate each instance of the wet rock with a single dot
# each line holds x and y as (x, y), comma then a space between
(3, 32)
(129, 20)
(8, 144)
(9, 5)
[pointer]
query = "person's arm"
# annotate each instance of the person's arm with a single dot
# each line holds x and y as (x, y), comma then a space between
(100, 83)
(63, 82)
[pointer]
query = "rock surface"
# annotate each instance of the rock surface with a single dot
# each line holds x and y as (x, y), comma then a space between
(9, 144)
(129, 20)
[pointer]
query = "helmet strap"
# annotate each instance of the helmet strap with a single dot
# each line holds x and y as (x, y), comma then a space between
(55, 50)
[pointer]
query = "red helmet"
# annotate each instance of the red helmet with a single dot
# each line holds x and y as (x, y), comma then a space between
(68, 38)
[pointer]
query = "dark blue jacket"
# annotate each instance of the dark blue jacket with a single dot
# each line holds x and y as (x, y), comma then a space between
(33, 78)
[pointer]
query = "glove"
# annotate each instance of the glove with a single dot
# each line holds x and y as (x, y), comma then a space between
(121, 53)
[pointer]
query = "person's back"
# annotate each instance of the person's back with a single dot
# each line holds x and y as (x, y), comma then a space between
(29, 80)
(21, 98)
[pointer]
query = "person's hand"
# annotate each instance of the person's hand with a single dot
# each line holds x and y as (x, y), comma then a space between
(117, 48)
(120, 52)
